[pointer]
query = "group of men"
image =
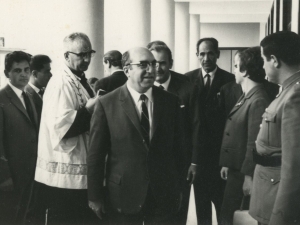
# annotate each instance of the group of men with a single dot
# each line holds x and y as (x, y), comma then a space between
(127, 150)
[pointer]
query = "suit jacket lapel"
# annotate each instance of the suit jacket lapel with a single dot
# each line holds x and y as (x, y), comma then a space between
(15, 100)
(238, 105)
(35, 96)
(199, 80)
(129, 108)
(157, 109)
(173, 86)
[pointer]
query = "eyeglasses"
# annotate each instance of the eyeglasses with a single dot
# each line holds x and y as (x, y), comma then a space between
(144, 64)
(84, 55)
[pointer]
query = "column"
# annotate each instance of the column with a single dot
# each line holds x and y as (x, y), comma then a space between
(43, 31)
(295, 16)
(275, 16)
(262, 31)
(194, 37)
(182, 32)
(127, 24)
(163, 21)
(281, 16)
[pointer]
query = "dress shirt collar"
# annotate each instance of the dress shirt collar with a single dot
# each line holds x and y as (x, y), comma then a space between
(118, 70)
(36, 89)
(16, 90)
(212, 73)
(136, 95)
(166, 84)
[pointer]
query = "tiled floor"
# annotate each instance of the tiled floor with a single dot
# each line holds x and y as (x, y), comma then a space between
(192, 219)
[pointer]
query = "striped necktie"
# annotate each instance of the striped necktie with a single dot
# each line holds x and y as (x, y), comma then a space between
(145, 124)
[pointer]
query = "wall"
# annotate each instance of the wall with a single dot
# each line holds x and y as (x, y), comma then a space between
(232, 34)
(39, 27)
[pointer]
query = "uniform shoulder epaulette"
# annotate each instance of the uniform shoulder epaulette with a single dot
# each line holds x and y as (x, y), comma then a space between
(297, 86)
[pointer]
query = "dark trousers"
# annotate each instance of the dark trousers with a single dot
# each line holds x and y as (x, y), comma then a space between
(150, 214)
(208, 188)
(233, 196)
(181, 216)
(59, 206)
(14, 205)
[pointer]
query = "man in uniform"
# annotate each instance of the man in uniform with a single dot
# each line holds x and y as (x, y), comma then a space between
(276, 182)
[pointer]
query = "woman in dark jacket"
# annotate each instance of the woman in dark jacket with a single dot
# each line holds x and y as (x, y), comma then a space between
(241, 130)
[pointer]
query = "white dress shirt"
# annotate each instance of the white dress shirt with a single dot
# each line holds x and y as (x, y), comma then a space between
(138, 104)
(212, 75)
(165, 85)
(18, 93)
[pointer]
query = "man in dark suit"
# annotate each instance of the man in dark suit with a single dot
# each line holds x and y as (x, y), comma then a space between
(40, 75)
(18, 140)
(210, 78)
(138, 126)
(152, 44)
(188, 94)
(113, 71)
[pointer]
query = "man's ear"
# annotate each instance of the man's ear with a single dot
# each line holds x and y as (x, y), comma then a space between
(171, 64)
(66, 55)
(275, 61)
(126, 70)
(34, 73)
(6, 73)
(218, 54)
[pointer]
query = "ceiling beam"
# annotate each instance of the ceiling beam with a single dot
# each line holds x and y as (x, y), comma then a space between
(233, 18)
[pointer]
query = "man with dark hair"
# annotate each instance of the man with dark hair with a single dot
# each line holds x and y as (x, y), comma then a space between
(276, 183)
(18, 140)
(152, 44)
(210, 78)
(40, 75)
(188, 94)
(116, 77)
(138, 127)
(61, 165)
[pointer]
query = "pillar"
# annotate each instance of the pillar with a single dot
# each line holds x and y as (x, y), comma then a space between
(43, 31)
(163, 21)
(182, 39)
(295, 16)
(127, 24)
(275, 17)
(281, 16)
(194, 37)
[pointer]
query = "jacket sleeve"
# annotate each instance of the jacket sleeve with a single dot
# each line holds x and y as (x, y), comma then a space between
(99, 146)
(255, 113)
(4, 168)
(287, 205)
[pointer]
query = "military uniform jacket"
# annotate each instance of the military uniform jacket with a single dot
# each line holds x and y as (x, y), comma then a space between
(241, 130)
(280, 135)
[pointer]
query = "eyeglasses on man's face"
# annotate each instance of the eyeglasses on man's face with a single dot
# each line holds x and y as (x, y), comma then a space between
(84, 55)
(144, 64)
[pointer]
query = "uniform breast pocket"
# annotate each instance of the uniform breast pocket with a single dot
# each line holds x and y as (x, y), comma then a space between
(271, 131)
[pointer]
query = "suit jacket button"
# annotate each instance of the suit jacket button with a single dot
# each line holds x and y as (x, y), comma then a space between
(144, 141)
(227, 134)
(272, 180)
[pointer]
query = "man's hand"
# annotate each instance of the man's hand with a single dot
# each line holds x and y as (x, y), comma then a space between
(98, 208)
(247, 186)
(224, 173)
(7, 185)
(192, 174)
(90, 104)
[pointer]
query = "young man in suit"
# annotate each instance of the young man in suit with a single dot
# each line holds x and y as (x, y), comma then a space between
(18, 140)
(40, 75)
(152, 44)
(113, 71)
(209, 78)
(138, 126)
(188, 94)
(276, 183)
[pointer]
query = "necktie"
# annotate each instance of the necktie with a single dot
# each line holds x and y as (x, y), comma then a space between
(28, 107)
(145, 124)
(162, 87)
(207, 84)
(41, 92)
